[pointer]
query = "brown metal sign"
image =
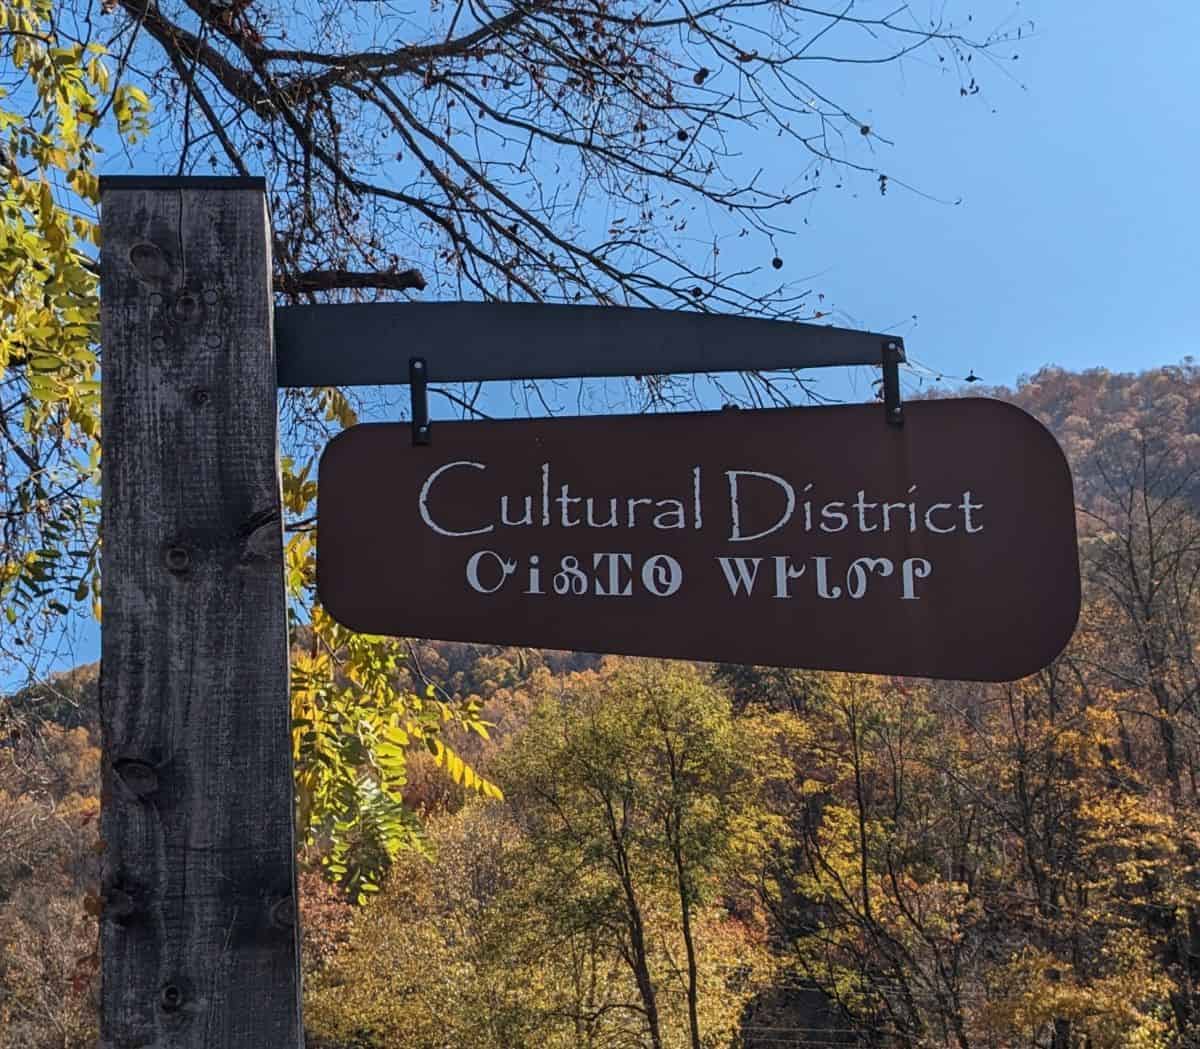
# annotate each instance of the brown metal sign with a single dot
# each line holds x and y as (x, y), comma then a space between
(809, 537)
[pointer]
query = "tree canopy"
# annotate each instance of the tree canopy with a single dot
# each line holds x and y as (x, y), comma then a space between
(58, 96)
(575, 152)
(566, 150)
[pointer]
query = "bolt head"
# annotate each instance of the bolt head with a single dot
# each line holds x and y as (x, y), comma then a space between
(186, 306)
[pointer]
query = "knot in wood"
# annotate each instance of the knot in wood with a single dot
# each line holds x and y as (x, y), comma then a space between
(138, 776)
(283, 914)
(149, 262)
(120, 904)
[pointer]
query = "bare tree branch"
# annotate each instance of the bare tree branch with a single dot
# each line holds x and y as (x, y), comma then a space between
(331, 280)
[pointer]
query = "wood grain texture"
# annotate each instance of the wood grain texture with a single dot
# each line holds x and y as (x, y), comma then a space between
(199, 934)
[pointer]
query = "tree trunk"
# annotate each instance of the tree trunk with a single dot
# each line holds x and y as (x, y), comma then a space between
(685, 913)
(1062, 1034)
(637, 956)
(640, 964)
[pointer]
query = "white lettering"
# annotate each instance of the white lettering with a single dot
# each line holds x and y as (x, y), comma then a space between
(784, 574)
(735, 507)
(662, 575)
(740, 572)
(910, 569)
(564, 501)
(830, 514)
(614, 563)
(672, 517)
(862, 506)
(526, 520)
(569, 579)
(506, 569)
(929, 519)
(823, 590)
(887, 517)
(856, 578)
(423, 499)
(535, 575)
(612, 514)
(967, 507)
(632, 505)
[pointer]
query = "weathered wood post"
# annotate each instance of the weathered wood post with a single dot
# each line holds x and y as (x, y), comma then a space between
(199, 931)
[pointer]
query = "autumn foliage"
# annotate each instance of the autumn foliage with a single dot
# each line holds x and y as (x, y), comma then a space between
(718, 856)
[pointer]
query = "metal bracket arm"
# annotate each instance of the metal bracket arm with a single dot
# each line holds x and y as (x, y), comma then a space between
(363, 344)
(418, 377)
(893, 355)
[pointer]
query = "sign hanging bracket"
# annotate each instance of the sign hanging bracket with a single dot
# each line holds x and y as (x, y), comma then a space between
(418, 376)
(499, 341)
(893, 354)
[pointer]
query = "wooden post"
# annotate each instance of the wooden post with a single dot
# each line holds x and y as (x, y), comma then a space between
(199, 933)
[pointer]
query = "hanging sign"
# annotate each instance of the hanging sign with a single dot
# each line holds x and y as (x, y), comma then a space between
(808, 537)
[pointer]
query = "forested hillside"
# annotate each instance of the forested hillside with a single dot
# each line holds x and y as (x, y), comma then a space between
(714, 856)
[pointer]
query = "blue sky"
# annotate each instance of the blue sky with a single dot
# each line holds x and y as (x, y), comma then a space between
(1077, 239)
(1050, 219)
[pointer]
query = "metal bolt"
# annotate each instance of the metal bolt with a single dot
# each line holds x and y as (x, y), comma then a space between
(178, 558)
(211, 296)
(418, 365)
(212, 341)
(171, 998)
(186, 306)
